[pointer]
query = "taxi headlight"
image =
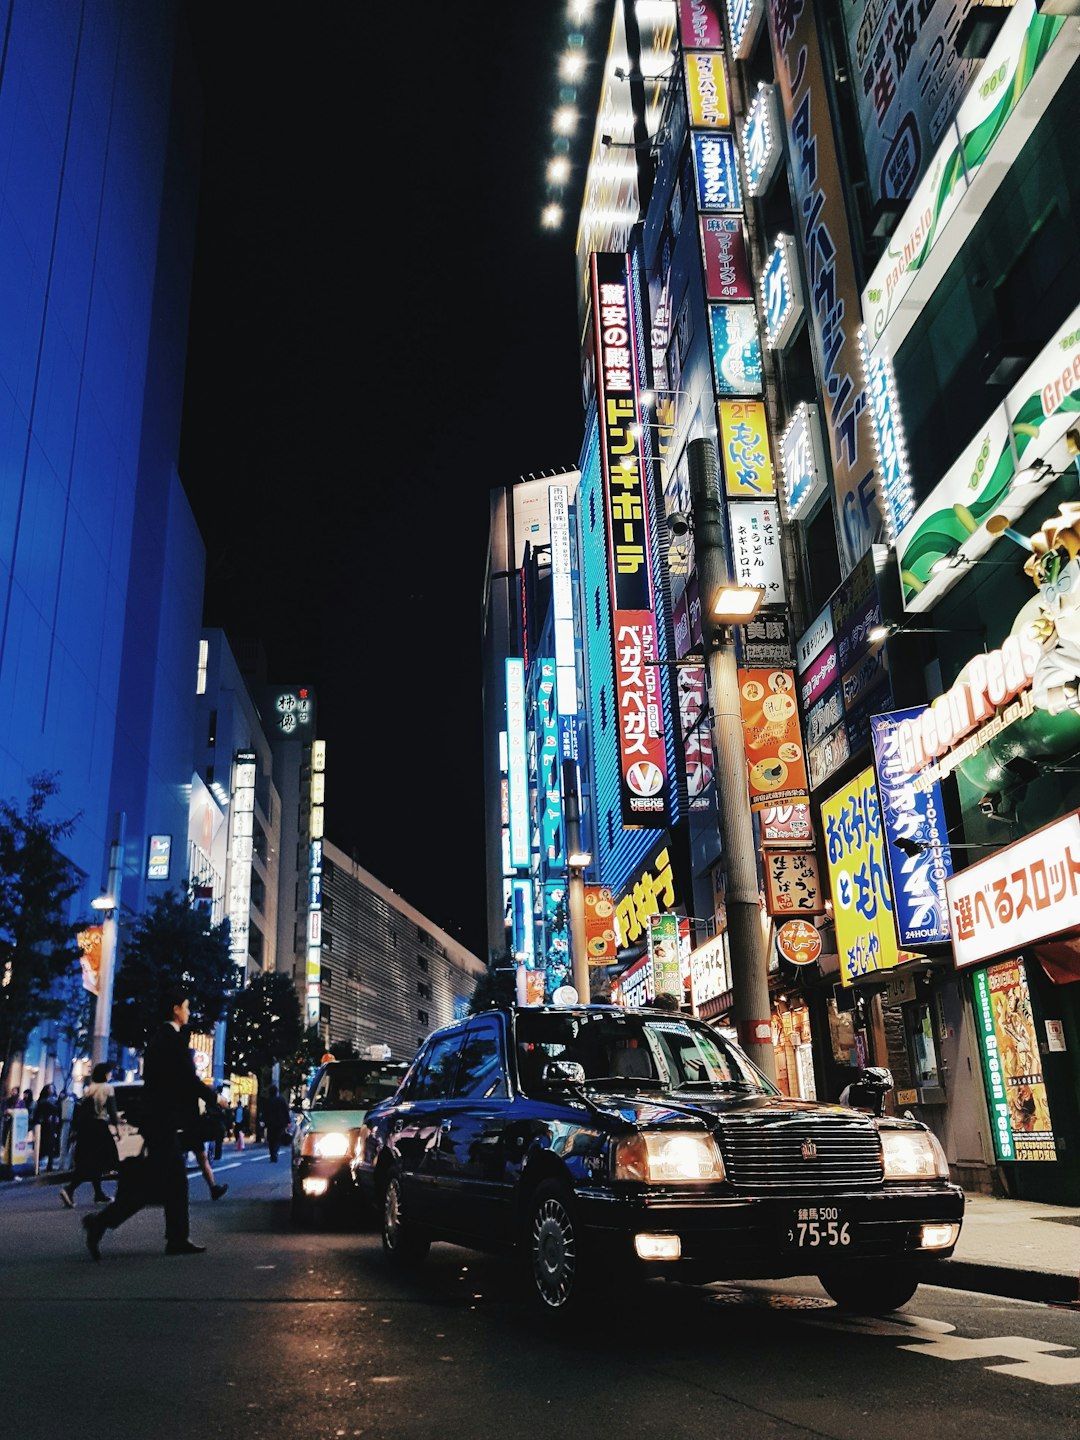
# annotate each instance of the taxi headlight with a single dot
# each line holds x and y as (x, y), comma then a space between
(334, 1145)
(660, 1157)
(913, 1155)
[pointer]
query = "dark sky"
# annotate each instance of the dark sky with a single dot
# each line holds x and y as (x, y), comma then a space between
(380, 333)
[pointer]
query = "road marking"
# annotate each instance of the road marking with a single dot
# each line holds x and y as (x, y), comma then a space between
(939, 1340)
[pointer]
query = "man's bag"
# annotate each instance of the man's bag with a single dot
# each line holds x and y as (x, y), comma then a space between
(139, 1181)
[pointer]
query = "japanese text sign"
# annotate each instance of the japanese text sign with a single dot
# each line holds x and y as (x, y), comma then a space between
(772, 740)
(859, 879)
(792, 886)
(706, 89)
(917, 818)
(723, 249)
(755, 547)
(1022, 893)
(744, 446)
(648, 892)
(1012, 1067)
(644, 789)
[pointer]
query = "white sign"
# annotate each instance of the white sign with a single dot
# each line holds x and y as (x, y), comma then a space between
(517, 777)
(710, 971)
(1019, 895)
(755, 546)
(1055, 1035)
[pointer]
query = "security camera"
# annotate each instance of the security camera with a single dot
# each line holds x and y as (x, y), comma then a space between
(987, 805)
(678, 523)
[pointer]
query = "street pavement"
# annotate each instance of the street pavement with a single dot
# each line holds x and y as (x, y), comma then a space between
(1017, 1248)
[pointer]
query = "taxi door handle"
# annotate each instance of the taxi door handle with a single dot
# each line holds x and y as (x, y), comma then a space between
(446, 1126)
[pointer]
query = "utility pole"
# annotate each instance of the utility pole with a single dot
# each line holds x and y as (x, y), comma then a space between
(745, 935)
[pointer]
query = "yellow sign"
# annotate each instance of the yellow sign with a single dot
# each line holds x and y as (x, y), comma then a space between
(859, 879)
(744, 447)
(706, 90)
(90, 956)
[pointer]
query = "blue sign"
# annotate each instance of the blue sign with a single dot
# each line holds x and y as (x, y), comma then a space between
(781, 293)
(921, 862)
(736, 349)
(716, 164)
(884, 406)
(761, 140)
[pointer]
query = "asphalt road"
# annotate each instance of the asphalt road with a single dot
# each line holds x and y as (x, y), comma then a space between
(277, 1333)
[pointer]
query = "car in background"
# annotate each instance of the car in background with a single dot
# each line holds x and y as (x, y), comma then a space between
(327, 1128)
(597, 1142)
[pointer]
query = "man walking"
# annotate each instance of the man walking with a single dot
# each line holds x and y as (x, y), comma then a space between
(276, 1119)
(171, 1091)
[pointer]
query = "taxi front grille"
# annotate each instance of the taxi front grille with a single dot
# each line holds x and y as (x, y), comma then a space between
(794, 1156)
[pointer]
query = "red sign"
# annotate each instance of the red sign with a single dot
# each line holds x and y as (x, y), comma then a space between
(723, 249)
(799, 942)
(600, 943)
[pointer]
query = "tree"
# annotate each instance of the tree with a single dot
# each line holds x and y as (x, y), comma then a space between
(296, 1068)
(264, 1024)
(171, 945)
(496, 987)
(37, 943)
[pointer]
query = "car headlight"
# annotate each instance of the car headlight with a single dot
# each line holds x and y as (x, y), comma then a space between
(660, 1157)
(913, 1155)
(333, 1145)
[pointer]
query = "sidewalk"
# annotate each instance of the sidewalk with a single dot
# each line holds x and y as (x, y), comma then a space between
(1017, 1248)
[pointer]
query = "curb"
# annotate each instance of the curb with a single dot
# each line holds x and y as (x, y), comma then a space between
(1041, 1286)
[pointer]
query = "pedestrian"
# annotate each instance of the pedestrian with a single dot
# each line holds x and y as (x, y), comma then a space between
(26, 1100)
(276, 1119)
(207, 1128)
(171, 1089)
(238, 1121)
(96, 1127)
(47, 1121)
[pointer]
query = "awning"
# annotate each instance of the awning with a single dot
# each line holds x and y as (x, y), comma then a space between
(1059, 957)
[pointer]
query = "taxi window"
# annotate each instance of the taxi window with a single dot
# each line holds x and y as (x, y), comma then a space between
(434, 1079)
(481, 1073)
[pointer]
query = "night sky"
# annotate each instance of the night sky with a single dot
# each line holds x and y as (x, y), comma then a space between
(380, 333)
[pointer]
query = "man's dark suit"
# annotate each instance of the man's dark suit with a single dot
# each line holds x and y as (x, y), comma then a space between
(172, 1092)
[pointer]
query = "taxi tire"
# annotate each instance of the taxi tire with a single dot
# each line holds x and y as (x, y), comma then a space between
(403, 1244)
(870, 1288)
(558, 1273)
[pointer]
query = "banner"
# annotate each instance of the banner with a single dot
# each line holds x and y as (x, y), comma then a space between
(600, 940)
(859, 879)
(916, 838)
(90, 956)
(664, 954)
(772, 740)
(1019, 1109)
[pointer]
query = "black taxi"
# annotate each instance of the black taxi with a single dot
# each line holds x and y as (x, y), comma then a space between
(595, 1140)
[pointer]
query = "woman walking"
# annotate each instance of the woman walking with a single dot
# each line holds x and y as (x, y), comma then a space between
(94, 1123)
(47, 1118)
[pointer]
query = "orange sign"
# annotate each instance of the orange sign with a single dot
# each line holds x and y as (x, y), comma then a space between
(600, 943)
(799, 942)
(90, 957)
(772, 738)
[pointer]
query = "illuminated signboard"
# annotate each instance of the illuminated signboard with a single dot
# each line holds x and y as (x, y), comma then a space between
(241, 851)
(556, 938)
(706, 89)
(710, 971)
(517, 772)
(524, 940)
(884, 406)
(755, 547)
(1012, 1064)
(736, 349)
(744, 18)
(744, 449)
(562, 600)
(294, 710)
(716, 166)
(859, 879)
(782, 299)
(157, 859)
(644, 782)
(801, 460)
(664, 954)
(792, 886)
(1022, 893)
(723, 252)
(922, 862)
(699, 25)
(548, 766)
(650, 890)
(761, 140)
(772, 738)
(313, 958)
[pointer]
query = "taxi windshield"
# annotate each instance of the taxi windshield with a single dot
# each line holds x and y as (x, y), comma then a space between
(346, 1085)
(663, 1052)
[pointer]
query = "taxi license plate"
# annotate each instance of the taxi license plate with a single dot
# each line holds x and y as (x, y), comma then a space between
(819, 1228)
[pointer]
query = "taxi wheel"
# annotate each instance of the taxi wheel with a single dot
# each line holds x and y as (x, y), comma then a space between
(553, 1250)
(871, 1289)
(402, 1243)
